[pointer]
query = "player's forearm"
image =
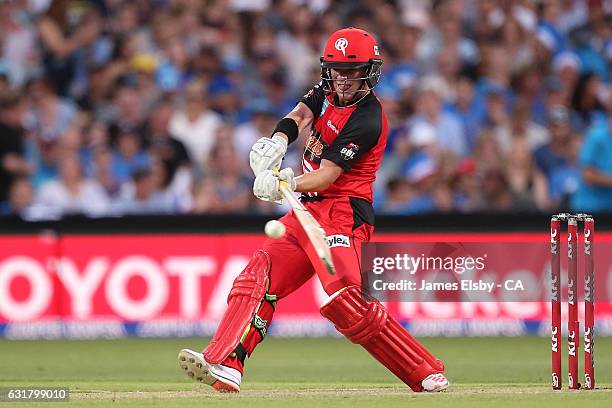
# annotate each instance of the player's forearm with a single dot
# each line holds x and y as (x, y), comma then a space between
(302, 117)
(317, 180)
(310, 182)
(595, 177)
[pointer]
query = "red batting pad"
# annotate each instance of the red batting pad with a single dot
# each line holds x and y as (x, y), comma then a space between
(365, 321)
(247, 293)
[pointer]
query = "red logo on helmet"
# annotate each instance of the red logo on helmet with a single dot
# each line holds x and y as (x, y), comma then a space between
(350, 45)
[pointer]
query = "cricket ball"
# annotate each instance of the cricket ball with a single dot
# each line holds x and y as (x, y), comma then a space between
(274, 229)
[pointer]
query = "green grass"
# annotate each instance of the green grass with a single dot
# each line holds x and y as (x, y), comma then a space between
(505, 372)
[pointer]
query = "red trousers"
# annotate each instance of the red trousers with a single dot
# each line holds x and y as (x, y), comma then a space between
(294, 260)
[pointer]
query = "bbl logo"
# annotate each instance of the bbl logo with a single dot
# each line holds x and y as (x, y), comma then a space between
(349, 152)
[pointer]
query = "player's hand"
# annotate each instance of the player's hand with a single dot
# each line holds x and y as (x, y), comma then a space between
(267, 153)
(267, 184)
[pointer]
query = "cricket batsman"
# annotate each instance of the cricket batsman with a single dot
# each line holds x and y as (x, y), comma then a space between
(348, 134)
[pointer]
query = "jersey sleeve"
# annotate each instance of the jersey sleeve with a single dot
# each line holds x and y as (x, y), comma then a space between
(314, 99)
(357, 137)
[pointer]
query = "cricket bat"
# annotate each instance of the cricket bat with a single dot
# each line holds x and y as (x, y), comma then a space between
(313, 229)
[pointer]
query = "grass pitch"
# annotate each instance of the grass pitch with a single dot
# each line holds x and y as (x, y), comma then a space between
(505, 372)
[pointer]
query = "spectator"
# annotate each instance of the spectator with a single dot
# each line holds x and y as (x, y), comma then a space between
(594, 192)
(566, 67)
(585, 103)
(62, 38)
(262, 122)
(587, 41)
(141, 196)
(528, 88)
(12, 161)
(165, 86)
(518, 129)
(487, 153)
(466, 185)
(126, 111)
(399, 195)
(17, 45)
(556, 176)
(4, 80)
(224, 86)
(71, 193)
(423, 140)
(194, 124)
(497, 195)
(95, 136)
(448, 67)
(294, 46)
(421, 171)
(171, 151)
(555, 94)
(128, 155)
(515, 41)
(498, 119)
(545, 45)
(446, 32)
(469, 108)
(102, 171)
(519, 166)
(20, 199)
(173, 72)
(449, 131)
(227, 188)
(48, 115)
(206, 200)
(494, 69)
(401, 44)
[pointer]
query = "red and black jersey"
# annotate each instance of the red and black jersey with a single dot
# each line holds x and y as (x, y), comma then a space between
(354, 138)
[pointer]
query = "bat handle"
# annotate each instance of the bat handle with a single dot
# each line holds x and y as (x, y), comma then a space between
(282, 182)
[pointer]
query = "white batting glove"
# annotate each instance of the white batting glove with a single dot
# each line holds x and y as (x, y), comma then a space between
(267, 153)
(267, 184)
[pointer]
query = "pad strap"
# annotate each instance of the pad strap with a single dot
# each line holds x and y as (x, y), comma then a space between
(244, 299)
(365, 321)
(241, 353)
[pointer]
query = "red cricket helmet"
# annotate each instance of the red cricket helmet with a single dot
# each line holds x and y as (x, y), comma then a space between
(351, 48)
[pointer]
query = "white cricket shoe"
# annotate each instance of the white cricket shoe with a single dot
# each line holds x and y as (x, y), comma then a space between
(221, 378)
(435, 383)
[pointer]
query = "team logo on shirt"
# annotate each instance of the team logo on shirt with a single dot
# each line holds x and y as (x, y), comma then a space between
(341, 44)
(314, 147)
(349, 152)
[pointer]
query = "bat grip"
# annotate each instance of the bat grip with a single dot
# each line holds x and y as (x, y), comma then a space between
(282, 183)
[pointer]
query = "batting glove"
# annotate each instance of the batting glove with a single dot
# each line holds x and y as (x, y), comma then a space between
(267, 184)
(267, 153)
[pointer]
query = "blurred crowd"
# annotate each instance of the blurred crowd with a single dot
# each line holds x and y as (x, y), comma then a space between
(113, 107)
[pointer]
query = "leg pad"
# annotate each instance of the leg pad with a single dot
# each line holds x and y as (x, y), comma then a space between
(247, 293)
(365, 321)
